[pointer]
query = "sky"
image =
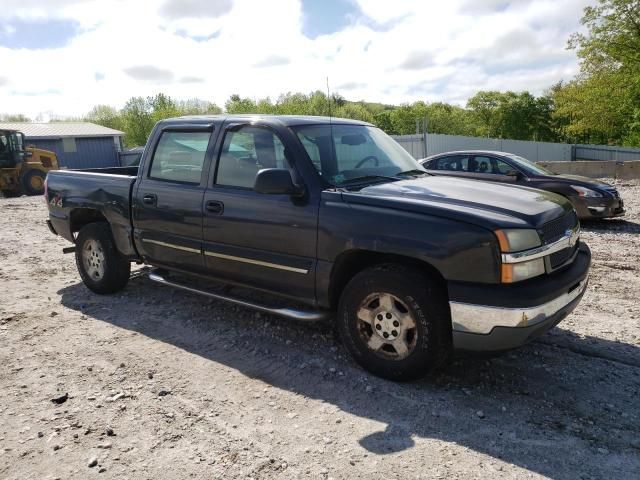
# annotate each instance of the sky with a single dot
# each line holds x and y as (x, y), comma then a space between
(62, 57)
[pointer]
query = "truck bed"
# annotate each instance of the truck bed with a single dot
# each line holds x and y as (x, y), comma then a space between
(104, 190)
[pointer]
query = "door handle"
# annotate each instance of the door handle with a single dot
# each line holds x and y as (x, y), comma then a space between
(214, 206)
(150, 199)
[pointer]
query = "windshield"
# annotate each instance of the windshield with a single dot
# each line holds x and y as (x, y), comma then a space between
(530, 167)
(10, 141)
(346, 153)
(11, 145)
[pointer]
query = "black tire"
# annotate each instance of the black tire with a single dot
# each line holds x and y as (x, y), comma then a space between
(428, 343)
(102, 268)
(33, 182)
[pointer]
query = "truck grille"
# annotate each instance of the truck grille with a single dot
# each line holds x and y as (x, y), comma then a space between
(555, 229)
(559, 258)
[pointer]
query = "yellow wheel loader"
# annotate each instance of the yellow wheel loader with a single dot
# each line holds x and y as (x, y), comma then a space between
(23, 169)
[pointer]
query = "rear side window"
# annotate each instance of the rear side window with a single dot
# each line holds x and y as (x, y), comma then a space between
(179, 156)
(454, 163)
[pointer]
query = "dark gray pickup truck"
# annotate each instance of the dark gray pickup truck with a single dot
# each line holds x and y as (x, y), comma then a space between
(336, 220)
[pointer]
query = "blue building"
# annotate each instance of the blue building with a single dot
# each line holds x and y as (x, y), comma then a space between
(77, 144)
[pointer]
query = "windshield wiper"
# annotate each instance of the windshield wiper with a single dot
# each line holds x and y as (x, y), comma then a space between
(414, 172)
(366, 179)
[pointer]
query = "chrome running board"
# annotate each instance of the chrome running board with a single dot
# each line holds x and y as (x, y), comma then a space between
(303, 315)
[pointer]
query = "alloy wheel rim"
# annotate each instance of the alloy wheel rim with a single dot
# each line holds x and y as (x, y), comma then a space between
(93, 259)
(387, 326)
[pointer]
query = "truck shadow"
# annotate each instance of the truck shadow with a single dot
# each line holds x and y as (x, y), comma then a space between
(547, 407)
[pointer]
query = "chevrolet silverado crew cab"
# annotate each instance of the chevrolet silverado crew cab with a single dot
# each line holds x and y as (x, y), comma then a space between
(329, 218)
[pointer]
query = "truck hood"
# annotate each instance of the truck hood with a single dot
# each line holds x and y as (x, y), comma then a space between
(473, 201)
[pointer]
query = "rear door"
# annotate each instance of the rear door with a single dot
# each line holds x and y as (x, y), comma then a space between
(167, 203)
(265, 241)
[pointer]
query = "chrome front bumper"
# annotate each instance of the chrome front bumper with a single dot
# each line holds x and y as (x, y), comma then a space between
(482, 319)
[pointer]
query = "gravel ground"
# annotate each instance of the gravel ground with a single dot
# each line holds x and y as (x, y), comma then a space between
(156, 383)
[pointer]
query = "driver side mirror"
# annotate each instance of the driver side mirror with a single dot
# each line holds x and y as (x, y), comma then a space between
(516, 175)
(277, 181)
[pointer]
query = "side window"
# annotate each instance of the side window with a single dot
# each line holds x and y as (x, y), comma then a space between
(4, 149)
(454, 163)
(179, 156)
(246, 151)
(489, 165)
(480, 164)
(442, 164)
(500, 167)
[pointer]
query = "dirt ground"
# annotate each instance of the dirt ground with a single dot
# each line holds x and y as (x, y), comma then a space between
(163, 384)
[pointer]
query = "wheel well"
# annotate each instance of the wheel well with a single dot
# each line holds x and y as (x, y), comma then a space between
(352, 262)
(84, 216)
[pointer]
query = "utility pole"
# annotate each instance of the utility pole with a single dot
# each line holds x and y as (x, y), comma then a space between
(425, 131)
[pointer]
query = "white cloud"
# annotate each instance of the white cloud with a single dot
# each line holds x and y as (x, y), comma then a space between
(443, 51)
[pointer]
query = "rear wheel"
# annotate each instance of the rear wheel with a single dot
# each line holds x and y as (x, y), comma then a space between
(33, 182)
(395, 322)
(102, 268)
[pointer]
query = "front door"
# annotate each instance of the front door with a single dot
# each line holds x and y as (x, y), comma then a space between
(491, 169)
(167, 204)
(260, 240)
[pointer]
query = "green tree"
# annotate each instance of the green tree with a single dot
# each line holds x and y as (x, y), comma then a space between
(195, 106)
(137, 120)
(382, 120)
(450, 119)
(486, 108)
(603, 103)
(612, 41)
(106, 116)
(354, 111)
(236, 104)
(514, 115)
(597, 108)
(17, 117)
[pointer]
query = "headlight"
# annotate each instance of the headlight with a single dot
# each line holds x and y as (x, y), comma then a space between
(516, 240)
(586, 192)
(516, 272)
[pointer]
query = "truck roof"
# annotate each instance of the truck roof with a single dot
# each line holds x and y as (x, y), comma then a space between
(286, 120)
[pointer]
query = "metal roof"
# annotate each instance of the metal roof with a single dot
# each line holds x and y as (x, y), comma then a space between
(61, 129)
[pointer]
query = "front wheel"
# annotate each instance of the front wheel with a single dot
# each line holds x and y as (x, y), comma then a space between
(102, 268)
(395, 322)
